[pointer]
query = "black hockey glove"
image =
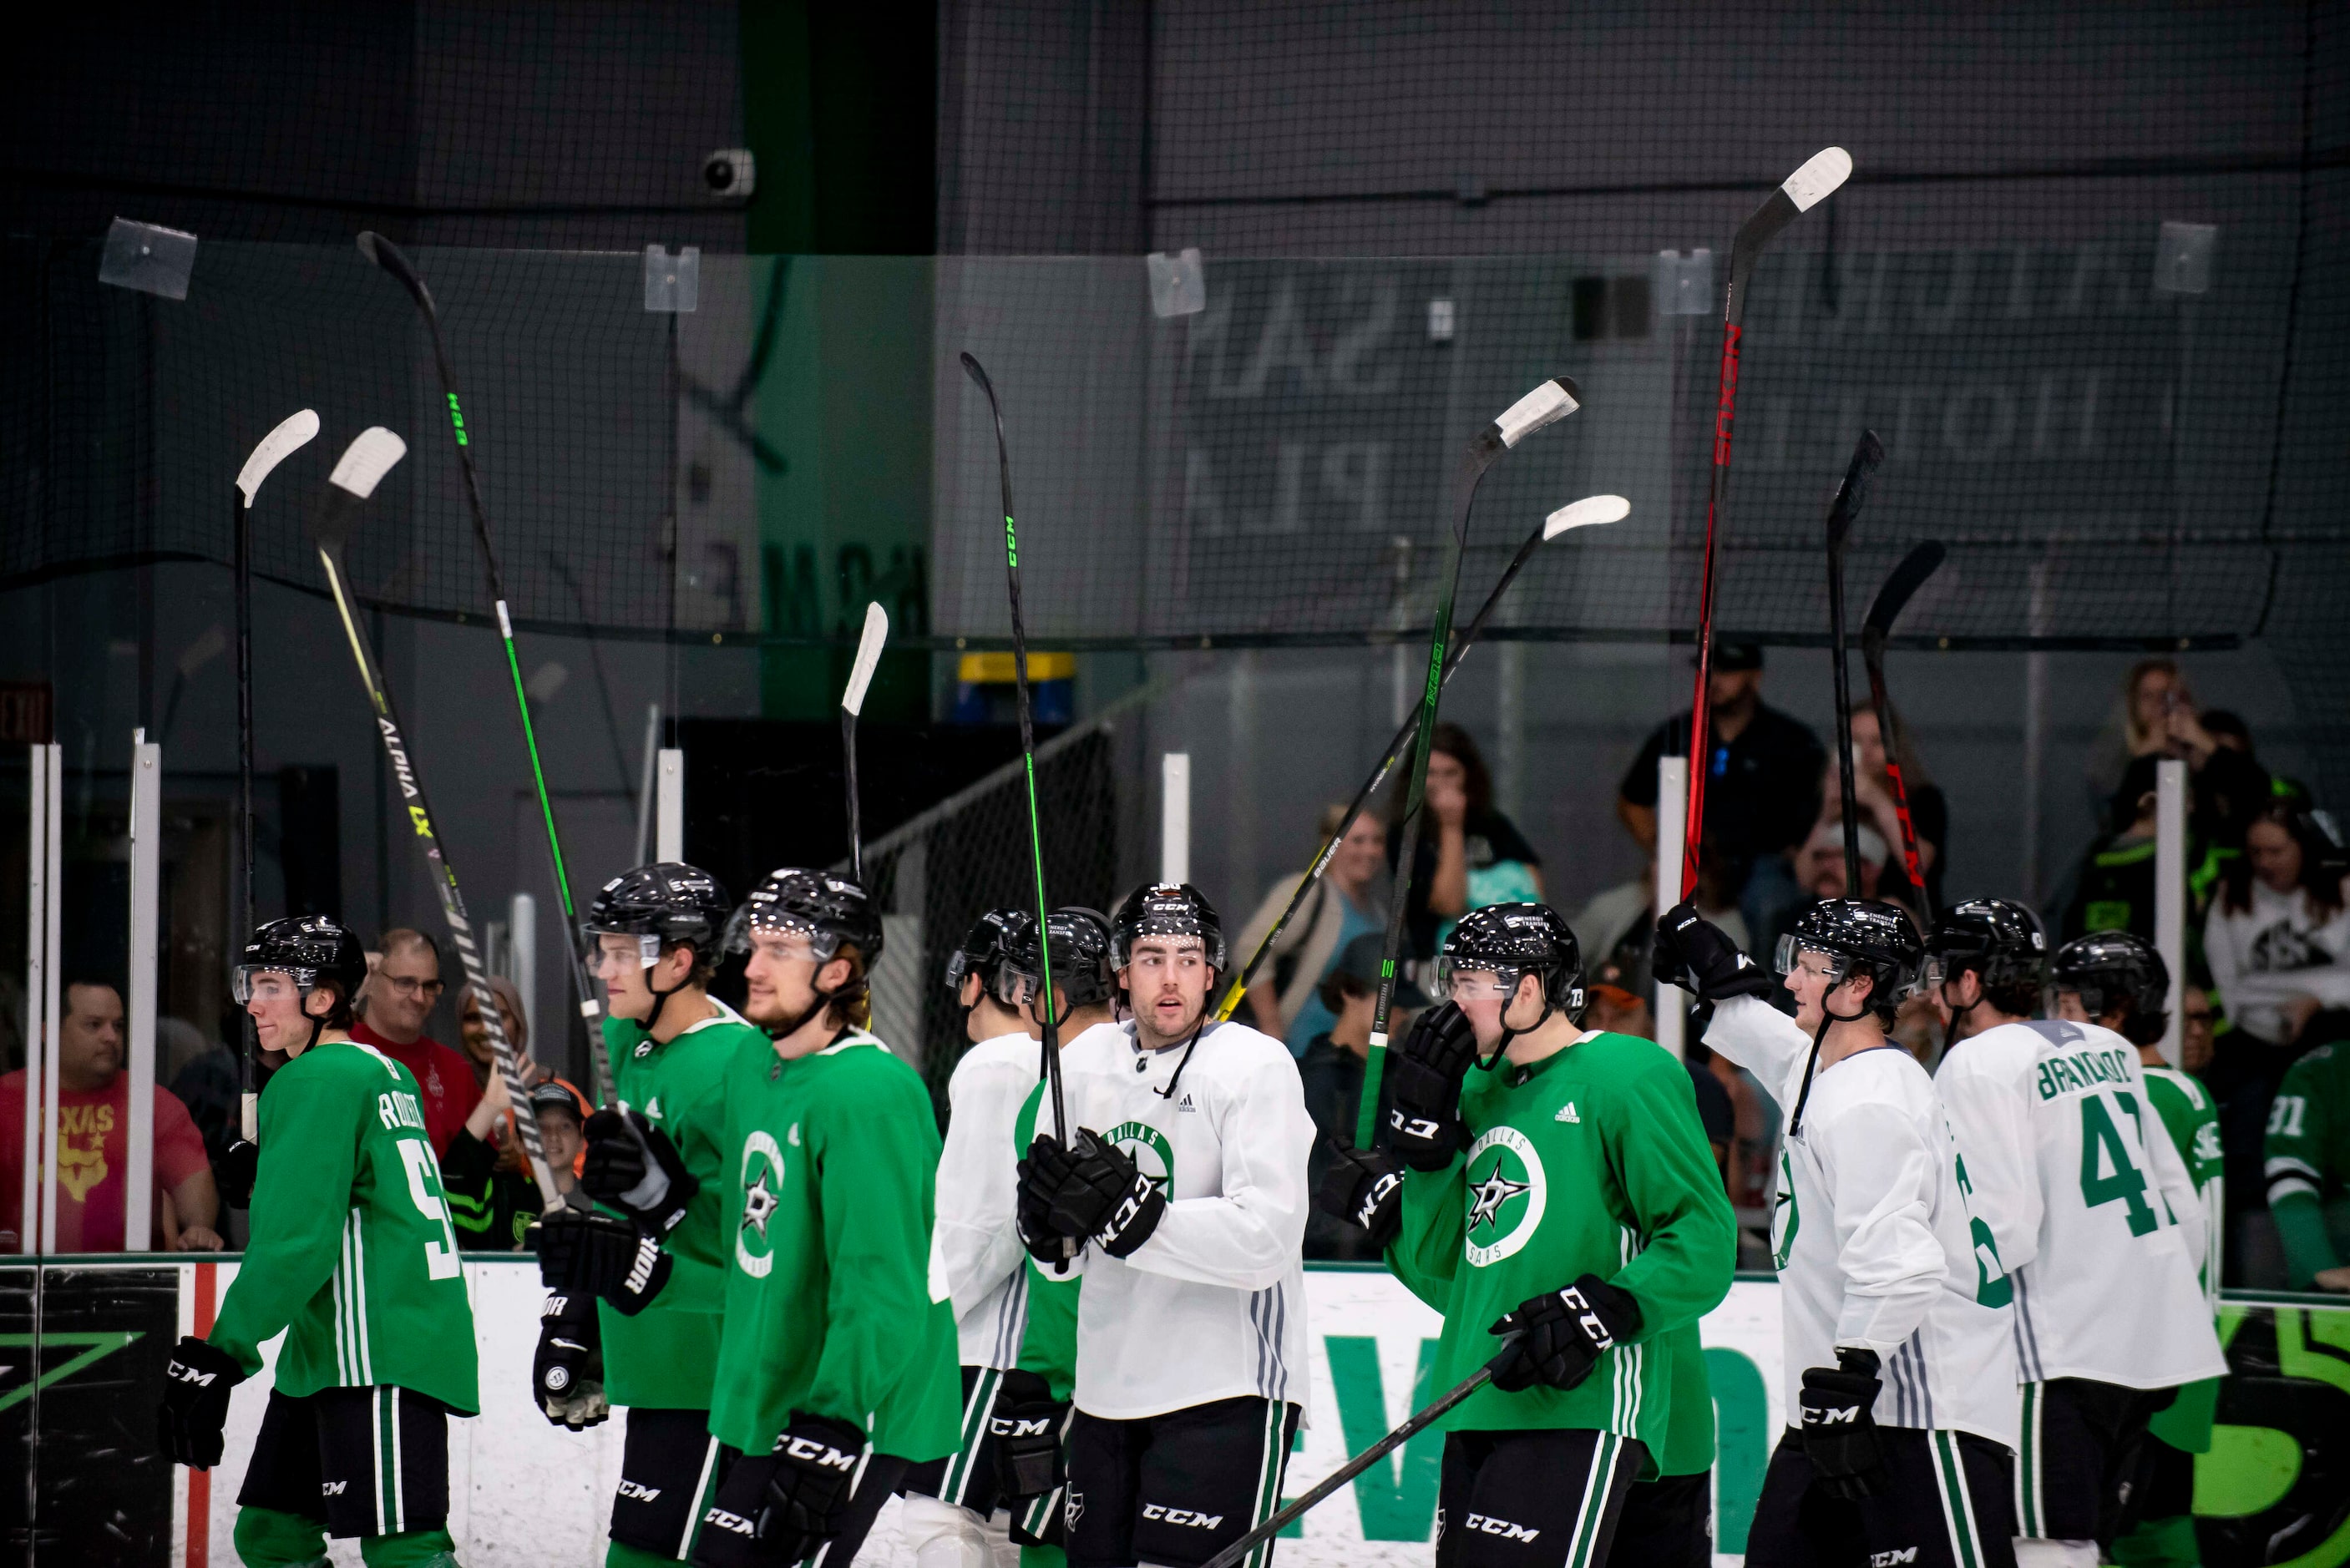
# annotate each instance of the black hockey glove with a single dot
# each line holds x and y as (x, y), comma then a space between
(1364, 1187)
(816, 1467)
(1025, 1427)
(1423, 1088)
(1692, 953)
(1093, 1190)
(632, 1166)
(240, 1162)
(566, 1376)
(586, 1255)
(1040, 1176)
(1839, 1427)
(1565, 1334)
(194, 1406)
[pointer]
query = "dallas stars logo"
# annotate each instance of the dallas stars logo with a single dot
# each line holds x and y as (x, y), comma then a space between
(759, 1201)
(761, 1173)
(1486, 1197)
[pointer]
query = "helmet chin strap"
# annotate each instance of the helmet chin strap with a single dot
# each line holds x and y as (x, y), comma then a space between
(660, 997)
(1828, 1016)
(1508, 1035)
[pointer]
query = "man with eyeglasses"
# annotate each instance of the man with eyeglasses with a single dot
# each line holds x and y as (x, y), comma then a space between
(400, 996)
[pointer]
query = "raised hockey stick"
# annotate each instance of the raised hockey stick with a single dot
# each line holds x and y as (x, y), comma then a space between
(1797, 194)
(1551, 401)
(293, 434)
(1906, 579)
(1849, 497)
(1052, 1042)
(1419, 1421)
(852, 702)
(1591, 509)
(389, 256)
(361, 467)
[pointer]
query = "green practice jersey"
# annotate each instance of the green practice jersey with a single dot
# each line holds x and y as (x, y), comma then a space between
(2307, 1163)
(666, 1358)
(1591, 1160)
(1048, 1338)
(352, 1251)
(2193, 1120)
(834, 1305)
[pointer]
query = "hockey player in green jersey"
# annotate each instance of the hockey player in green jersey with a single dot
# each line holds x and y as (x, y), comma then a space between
(354, 1259)
(656, 1158)
(836, 1366)
(1563, 1193)
(2307, 1166)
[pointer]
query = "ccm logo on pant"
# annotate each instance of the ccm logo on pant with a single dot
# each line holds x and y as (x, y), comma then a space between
(732, 1524)
(1182, 1516)
(1892, 1559)
(332, 1489)
(1486, 1524)
(636, 1492)
(821, 1453)
(1019, 1426)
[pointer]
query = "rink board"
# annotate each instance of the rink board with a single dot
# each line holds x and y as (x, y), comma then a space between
(2276, 1489)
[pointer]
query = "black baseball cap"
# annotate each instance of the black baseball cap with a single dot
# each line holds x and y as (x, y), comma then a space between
(1359, 960)
(1730, 656)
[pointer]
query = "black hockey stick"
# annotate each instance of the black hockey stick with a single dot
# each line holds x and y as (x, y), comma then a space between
(388, 256)
(852, 702)
(1849, 497)
(292, 434)
(1052, 1042)
(1801, 192)
(1551, 401)
(1419, 1422)
(1591, 509)
(361, 467)
(1906, 579)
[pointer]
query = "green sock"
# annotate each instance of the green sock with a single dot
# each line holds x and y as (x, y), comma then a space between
(268, 1538)
(408, 1549)
(620, 1555)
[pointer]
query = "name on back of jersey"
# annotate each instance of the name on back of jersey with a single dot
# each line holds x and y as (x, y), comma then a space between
(2079, 1070)
(397, 1108)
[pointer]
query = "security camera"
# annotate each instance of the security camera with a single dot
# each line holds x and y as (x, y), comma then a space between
(730, 173)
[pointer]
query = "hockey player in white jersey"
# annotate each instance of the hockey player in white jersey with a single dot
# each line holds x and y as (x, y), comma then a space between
(1011, 1426)
(1894, 1305)
(2100, 1225)
(1184, 1183)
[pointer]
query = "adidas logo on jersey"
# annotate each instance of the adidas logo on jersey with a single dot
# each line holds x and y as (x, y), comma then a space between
(1182, 1516)
(1567, 1113)
(636, 1492)
(653, 1108)
(644, 1047)
(1907, 1554)
(1486, 1524)
(1185, 1103)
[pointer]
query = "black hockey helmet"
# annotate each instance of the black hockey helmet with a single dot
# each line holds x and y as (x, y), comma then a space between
(306, 948)
(1998, 938)
(1859, 936)
(666, 904)
(2117, 971)
(828, 910)
(1166, 909)
(1513, 941)
(985, 947)
(1080, 942)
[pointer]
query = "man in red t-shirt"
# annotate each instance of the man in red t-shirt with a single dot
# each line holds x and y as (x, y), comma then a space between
(400, 995)
(93, 1158)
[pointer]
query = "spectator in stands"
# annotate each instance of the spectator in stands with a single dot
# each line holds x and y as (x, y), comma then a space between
(2138, 726)
(2113, 888)
(1617, 927)
(475, 1039)
(1332, 1073)
(1872, 789)
(2228, 731)
(492, 1197)
(1819, 864)
(210, 1083)
(2195, 1017)
(1470, 854)
(401, 994)
(1762, 788)
(1287, 999)
(2277, 937)
(93, 1150)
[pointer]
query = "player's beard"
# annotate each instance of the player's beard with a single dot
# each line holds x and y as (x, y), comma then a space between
(1147, 1029)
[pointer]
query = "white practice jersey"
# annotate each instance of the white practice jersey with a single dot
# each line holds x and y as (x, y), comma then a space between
(977, 1238)
(2095, 1214)
(1871, 1235)
(1213, 1306)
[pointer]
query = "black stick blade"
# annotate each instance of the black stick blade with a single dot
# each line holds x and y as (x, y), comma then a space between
(972, 368)
(389, 257)
(1852, 494)
(1906, 579)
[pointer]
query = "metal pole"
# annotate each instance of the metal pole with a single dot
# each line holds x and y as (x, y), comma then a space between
(645, 782)
(53, 943)
(146, 880)
(36, 955)
(1672, 805)
(522, 935)
(1175, 816)
(669, 836)
(2170, 888)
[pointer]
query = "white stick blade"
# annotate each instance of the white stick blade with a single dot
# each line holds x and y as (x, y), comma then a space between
(1545, 405)
(366, 461)
(292, 434)
(1581, 514)
(869, 654)
(1818, 178)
